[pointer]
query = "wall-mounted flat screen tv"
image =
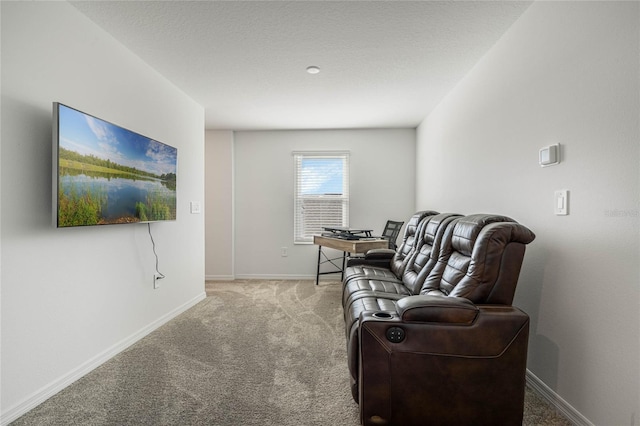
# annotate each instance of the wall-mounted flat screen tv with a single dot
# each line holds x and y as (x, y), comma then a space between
(104, 174)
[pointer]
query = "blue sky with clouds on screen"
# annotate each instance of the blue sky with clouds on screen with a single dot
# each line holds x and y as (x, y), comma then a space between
(88, 135)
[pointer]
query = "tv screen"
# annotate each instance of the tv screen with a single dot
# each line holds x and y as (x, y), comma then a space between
(104, 174)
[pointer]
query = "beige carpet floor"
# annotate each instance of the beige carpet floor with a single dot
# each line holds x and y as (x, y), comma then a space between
(252, 353)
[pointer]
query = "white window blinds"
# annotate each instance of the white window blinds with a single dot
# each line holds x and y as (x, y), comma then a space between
(321, 193)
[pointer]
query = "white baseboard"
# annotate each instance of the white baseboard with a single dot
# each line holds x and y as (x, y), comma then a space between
(219, 277)
(274, 277)
(556, 400)
(56, 386)
(267, 277)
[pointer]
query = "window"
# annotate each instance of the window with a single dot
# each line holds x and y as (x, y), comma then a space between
(321, 193)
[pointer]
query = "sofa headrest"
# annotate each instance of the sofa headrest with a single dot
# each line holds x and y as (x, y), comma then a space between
(466, 230)
(412, 225)
(435, 225)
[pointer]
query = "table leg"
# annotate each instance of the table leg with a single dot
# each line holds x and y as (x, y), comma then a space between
(344, 258)
(318, 270)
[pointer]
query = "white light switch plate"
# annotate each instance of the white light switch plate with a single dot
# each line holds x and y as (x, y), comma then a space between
(195, 207)
(561, 198)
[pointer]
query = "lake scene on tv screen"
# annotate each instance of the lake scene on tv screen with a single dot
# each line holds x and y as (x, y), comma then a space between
(110, 175)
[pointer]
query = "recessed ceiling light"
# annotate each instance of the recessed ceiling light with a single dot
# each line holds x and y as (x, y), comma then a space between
(313, 69)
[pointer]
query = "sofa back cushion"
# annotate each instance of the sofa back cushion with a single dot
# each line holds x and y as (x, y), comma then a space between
(425, 256)
(406, 249)
(479, 259)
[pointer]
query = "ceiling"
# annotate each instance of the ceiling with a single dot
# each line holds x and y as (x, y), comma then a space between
(383, 64)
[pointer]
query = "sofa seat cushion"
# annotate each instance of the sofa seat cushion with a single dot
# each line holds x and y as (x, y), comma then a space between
(354, 287)
(368, 272)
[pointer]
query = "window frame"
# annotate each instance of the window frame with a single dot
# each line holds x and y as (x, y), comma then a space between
(300, 236)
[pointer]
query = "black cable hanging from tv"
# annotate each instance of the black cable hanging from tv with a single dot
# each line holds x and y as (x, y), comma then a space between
(153, 245)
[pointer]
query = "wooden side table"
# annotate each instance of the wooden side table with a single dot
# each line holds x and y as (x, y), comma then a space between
(347, 247)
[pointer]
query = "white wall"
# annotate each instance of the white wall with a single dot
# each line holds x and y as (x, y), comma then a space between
(219, 204)
(568, 73)
(71, 298)
(382, 187)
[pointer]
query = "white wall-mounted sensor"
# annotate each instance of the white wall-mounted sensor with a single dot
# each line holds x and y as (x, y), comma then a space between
(549, 155)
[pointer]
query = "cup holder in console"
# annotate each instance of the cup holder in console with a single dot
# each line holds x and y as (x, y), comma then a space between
(382, 315)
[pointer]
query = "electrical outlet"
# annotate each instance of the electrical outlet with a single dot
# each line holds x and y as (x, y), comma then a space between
(156, 281)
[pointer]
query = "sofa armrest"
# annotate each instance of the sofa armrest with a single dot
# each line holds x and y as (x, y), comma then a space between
(374, 257)
(435, 355)
(380, 253)
(437, 309)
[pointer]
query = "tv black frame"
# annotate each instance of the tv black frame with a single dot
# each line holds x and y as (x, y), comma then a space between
(56, 167)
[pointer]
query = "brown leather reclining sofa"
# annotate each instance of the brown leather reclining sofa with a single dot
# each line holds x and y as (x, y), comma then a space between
(432, 337)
